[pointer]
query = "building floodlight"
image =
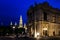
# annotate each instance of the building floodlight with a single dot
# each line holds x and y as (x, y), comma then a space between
(13, 27)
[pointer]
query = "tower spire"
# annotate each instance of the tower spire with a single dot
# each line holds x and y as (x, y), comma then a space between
(15, 23)
(25, 26)
(20, 22)
(11, 23)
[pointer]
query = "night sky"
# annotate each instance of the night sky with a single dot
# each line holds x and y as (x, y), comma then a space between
(10, 10)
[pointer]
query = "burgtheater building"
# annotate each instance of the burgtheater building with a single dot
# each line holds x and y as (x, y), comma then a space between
(43, 20)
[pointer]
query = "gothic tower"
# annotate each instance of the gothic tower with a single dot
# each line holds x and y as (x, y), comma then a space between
(20, 22)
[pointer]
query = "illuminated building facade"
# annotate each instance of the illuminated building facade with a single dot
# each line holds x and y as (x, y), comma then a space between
(44, 20)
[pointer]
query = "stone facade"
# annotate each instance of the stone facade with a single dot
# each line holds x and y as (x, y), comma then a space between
(45, 18)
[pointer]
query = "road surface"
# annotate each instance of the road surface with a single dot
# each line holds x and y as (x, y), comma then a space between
(27, 38)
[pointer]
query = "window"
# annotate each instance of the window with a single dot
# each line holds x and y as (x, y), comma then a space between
(53, 19)
(45, 16)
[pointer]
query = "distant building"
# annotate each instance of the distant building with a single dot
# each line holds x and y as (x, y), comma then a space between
(20, 22)
(19, 28)
(43, 19)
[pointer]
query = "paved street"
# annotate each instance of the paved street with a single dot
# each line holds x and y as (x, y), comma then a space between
(21, 38)
(27, 38)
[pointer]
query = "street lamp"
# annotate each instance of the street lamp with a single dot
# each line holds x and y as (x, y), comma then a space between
(38, 35)
(13, 27)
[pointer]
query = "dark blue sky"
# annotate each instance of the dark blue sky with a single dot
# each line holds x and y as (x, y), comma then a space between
(10, 10)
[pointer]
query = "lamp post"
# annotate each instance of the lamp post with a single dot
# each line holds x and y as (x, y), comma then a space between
(38, 35)
(16, 30)
(13, 29)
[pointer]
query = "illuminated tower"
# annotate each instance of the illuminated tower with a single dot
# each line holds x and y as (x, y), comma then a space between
(25, 27)
(20, 22)
(11, 24)
(15, 23)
